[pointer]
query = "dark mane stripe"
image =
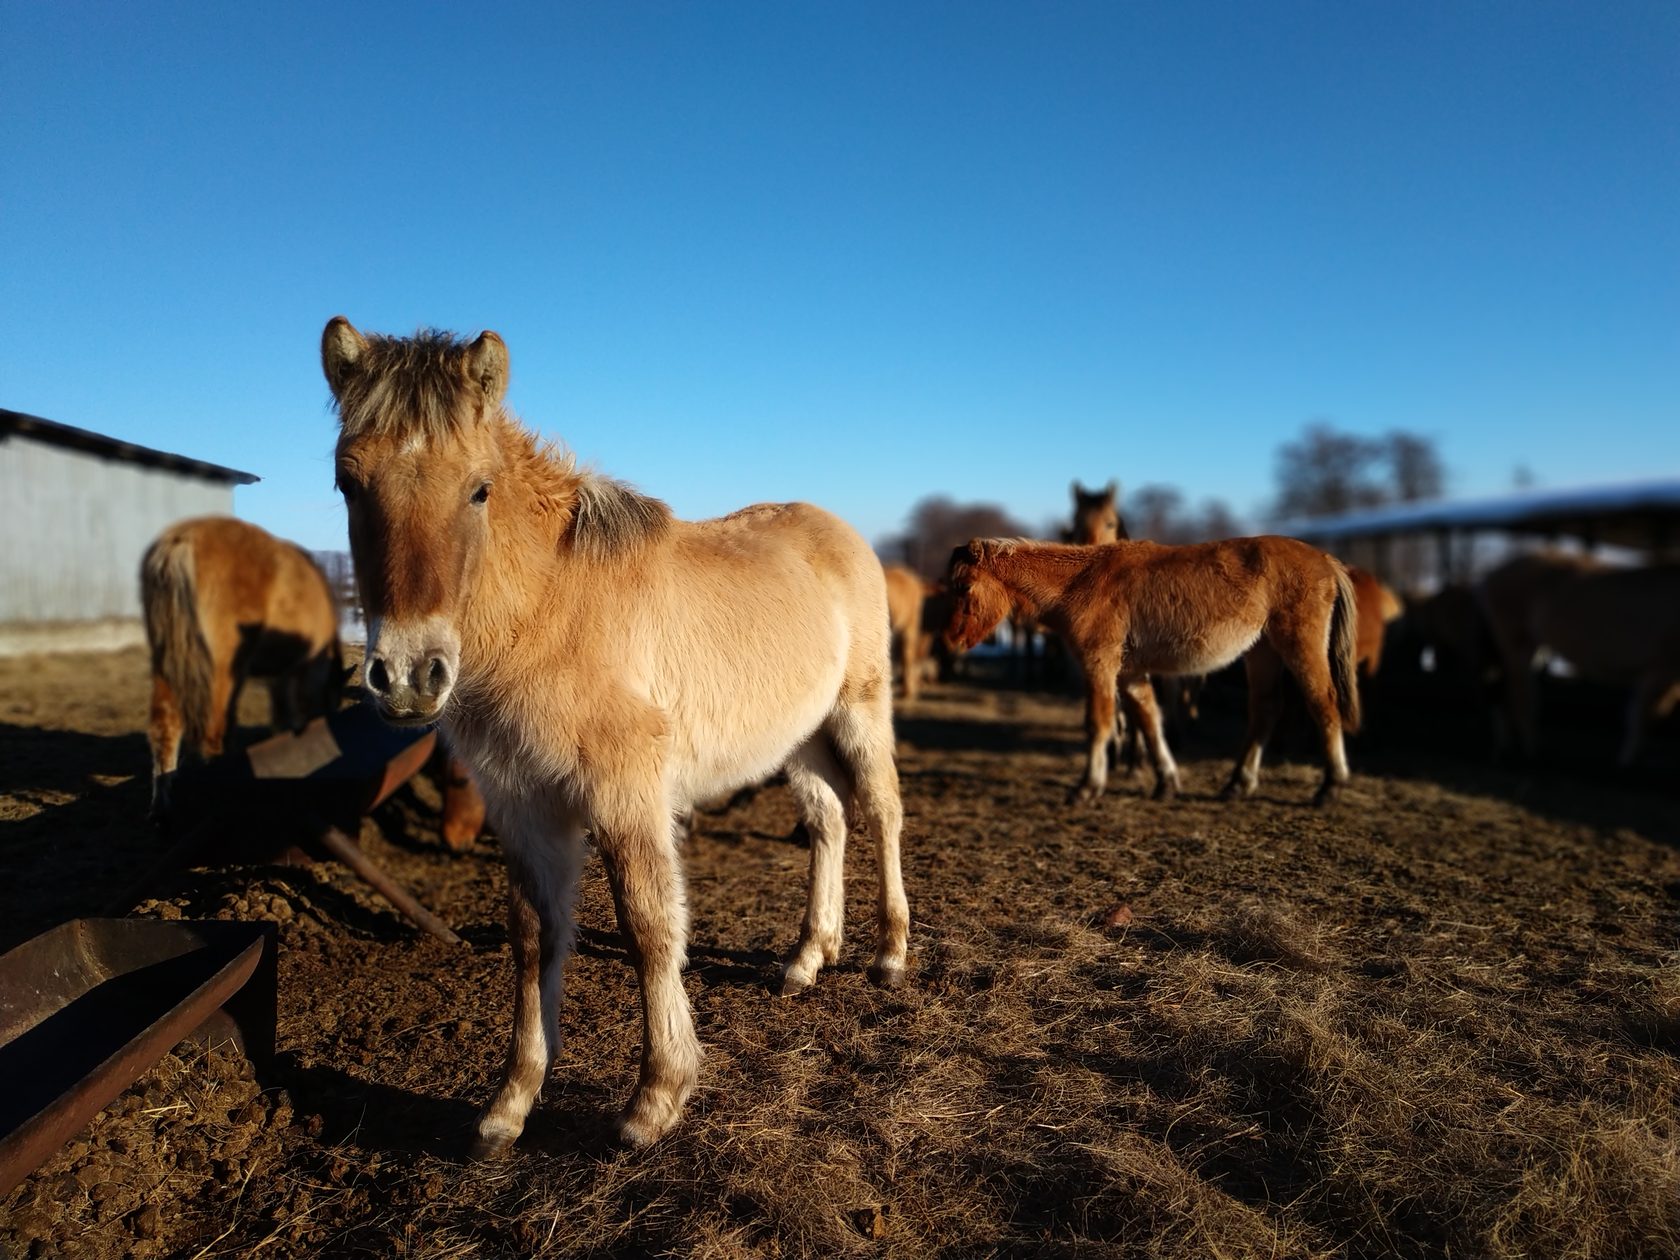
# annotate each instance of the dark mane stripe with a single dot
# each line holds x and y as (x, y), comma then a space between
(401, 385)
(609, 517)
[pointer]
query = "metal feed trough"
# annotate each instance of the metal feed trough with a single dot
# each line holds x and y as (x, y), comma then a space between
(301, 797)
(87, 1008)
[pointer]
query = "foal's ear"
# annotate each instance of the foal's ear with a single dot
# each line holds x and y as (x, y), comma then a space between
(341, 349)
(1112, 490)
(1078, 490)
(487, 364)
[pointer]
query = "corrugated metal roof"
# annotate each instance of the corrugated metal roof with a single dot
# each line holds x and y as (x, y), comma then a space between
(56, 434)
(1630, 508)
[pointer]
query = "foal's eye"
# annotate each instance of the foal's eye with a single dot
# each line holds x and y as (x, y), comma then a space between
(482, 494)
(348, 488)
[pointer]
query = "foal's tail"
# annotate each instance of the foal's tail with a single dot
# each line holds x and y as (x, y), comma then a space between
(180, 653)
(1344, 649)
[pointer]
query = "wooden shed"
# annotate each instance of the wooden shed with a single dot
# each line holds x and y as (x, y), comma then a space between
(77, 508)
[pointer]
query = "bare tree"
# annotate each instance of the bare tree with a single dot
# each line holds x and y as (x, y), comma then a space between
(1155, 512)
(1326, 472)
(1218, 521)
(1415, 467)
(1160, 513)
(938, 525)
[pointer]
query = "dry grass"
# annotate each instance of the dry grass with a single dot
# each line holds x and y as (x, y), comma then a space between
(1433, 1022)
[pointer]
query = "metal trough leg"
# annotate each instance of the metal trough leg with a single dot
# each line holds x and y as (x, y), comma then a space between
(350, 853)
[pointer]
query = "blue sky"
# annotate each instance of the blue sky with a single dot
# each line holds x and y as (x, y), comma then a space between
(857, 253)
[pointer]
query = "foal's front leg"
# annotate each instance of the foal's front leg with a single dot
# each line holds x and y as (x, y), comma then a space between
(542, 884)
(1100, 680)
(1137, 700)
(640, 855)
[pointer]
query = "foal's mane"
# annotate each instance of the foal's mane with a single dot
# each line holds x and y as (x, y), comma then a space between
(609, 517)
(425, 386)
(403, 385)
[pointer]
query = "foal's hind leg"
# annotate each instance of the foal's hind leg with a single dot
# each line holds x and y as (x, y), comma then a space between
(543, 861)
(1262, 667)
(1305, 658)
(163, 732)
(863, 739)
(821, 789)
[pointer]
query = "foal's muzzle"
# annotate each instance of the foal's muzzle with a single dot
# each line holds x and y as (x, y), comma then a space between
(409, 672)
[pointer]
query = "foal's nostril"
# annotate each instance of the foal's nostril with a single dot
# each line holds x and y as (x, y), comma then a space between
(437, 676)
(378, 678)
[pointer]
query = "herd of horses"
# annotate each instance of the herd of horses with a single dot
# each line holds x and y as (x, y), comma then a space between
(602, 666)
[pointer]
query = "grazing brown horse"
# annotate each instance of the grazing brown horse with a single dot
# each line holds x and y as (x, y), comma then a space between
(1378, 606)
(905, 594)
(601, 666)
(463, 805)
(1616, 626)
(225, 601)
(1130, 608)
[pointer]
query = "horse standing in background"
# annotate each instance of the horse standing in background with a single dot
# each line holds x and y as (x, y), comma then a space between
(1378, 605)
(1613, 625)
(905, 594)
(1096, 515)
(225, 601)
(1130, 608)
(601, 666)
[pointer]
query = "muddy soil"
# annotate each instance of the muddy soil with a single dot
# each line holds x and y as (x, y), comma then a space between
(1439, 1018)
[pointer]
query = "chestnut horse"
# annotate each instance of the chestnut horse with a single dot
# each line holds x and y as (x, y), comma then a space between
(1097, 519)
(1130, 608)
(225, 601)
(905, 594)
(1614, 625)
(601, 666)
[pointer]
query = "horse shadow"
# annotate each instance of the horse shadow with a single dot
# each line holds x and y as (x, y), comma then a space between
(715, 965)
(374, 1116)
(66, 858)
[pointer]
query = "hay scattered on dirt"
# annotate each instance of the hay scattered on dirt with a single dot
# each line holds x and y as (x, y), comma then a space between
(1429, 1022)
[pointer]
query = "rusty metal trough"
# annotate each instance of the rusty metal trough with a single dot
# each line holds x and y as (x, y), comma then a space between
(90, 1006)
(301, 797)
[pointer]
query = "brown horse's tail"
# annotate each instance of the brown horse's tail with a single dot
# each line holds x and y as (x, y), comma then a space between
(180, 654)
(1344, 649)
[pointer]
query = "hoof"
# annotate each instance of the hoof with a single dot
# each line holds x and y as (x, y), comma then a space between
(794, 983)
(645, 1121)
(886, 975)
(1235, 790)
(492, 1144)
(1164, 791)
(1084, 794)
(1326, 795)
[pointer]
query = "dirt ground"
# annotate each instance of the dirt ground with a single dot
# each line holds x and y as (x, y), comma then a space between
(1440, 1018)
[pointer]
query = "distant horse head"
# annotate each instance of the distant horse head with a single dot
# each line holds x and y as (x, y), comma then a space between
(418, 458)
(978, 600)
(1096, 515)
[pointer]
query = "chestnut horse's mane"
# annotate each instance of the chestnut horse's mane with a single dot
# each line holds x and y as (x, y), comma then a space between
(423, 385)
